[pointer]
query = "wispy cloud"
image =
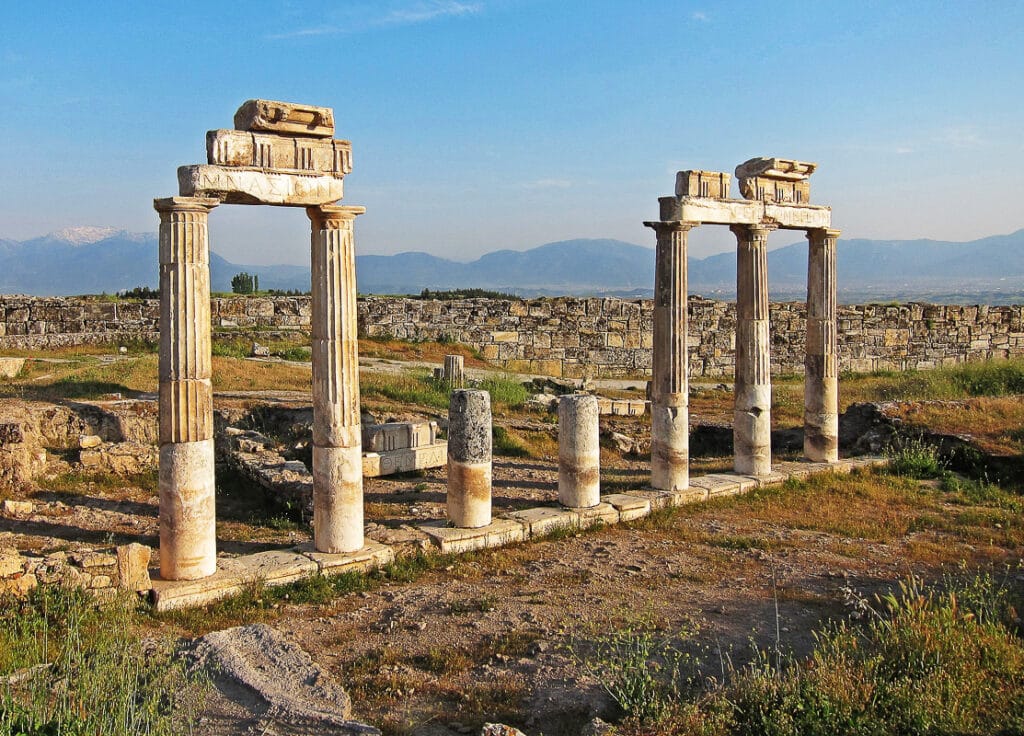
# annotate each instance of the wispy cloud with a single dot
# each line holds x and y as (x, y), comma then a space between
(391, 15)
(959, 137)
(700, 16)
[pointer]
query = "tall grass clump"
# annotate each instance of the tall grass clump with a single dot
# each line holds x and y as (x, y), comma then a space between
(68, 666)
(507, 391)
(915, 458)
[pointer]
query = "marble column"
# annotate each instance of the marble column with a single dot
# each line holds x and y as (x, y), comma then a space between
(752, 416)
(454, 371)
(579, 451)
(337, 441)
(821, 364)
(188, 538)
(670, 430)
(469, 458)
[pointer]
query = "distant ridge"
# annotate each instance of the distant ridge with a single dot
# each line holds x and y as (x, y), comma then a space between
(91, 260)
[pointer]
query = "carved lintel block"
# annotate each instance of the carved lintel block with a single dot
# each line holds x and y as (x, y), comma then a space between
(281, 154)
(235, 185)
(285, 117)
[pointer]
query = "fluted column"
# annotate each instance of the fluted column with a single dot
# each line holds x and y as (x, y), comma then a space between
(188, 540)
(670, 431)
(821, 377)
(337, 441)
(752, 416)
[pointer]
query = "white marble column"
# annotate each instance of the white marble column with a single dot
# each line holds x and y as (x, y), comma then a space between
(337, 441)
(670, 430)
(752, 416)
(579, 451)
(188, 539)
(469, 458)
(821, 378)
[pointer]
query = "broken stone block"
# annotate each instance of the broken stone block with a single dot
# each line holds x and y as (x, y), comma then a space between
(100, 581)
(86, 441)
(11, 563)
(11, 367)
(260, 351)
(285, 117)
(133, 567)
(19, 585)
(256, 186)
(398, 436)
(696, 183)
(87, 560)
(16, 509)
(11, 433)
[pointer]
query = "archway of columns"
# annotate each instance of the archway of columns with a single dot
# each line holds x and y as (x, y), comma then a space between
(779, 199)
(283, 155)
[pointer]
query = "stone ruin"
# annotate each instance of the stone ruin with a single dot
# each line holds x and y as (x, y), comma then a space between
(777, 196)
(285, 154)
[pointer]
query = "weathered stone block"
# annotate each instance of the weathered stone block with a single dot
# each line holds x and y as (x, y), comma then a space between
(256, 186)
(285, 117)
(133, 567)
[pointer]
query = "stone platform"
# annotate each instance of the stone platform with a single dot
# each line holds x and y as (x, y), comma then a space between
(279, 567)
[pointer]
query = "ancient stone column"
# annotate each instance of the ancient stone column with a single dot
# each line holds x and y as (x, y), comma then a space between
(821, 377)
(188, 540)
(579, 451)
(337, 440)
(670, 430)
(752, 425)
(454, 371)
(469, 458)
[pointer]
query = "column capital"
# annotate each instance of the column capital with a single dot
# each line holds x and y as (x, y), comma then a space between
(184, 204)
(753, 232)
(674, 226)
(333, 216)
(824, 233)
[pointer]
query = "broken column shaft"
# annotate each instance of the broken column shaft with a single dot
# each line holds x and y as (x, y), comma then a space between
(188, 541)
(337, 441)
(821, 377)
(752, 424)
(469, 458)
(579, 451)
(454, 371)
(670, 431)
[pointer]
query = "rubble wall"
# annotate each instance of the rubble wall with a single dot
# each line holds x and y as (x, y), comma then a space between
(562, 336)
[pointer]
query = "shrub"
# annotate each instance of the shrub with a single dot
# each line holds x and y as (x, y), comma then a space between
(915, 458)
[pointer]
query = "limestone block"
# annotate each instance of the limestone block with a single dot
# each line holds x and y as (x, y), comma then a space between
(285, 117)
(237, 148)
(376, 464)
(11, 367)
(256, 186)
(545, 520)
(373, 555)
(20, 585)
(87, 560)
(16, 509)
(629, 507)
(11, 563)
(133, 567)
(656, 499)
(498, 533)
(398, 435)
(703, 184)
(86, 441)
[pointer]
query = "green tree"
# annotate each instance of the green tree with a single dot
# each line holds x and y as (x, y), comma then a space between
(242, 283)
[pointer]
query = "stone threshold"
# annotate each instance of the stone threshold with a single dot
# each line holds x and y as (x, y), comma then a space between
(279, 567)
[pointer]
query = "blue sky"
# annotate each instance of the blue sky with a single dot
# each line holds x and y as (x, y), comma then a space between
(486, 124)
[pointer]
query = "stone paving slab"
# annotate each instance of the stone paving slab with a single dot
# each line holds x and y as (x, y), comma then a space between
(234, 574)
(371, 556)
(454, 539)
(545, 519)
(657, 499)
(278, 567)
(629, 507)
(603, 513)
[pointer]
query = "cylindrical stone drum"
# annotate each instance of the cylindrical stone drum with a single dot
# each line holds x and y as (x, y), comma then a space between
(469, 458)
(579, 451)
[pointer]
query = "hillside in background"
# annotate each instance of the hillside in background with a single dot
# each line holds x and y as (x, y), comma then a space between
(989, 270)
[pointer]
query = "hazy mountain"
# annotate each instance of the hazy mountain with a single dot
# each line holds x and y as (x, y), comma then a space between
(95, 259)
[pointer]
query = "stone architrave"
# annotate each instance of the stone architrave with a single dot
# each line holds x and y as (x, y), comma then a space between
(821, 378)
(337, 435)
(579, 451)
(670, 431)
(188, 547)
(469, 458)
(752, 389)
(248, 185)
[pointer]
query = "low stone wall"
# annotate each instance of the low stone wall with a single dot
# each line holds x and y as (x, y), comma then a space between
(563, 336)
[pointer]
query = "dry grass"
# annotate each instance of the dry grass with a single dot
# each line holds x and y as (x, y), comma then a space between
(996, 424)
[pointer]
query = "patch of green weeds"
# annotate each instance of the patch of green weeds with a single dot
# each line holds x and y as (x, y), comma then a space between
(506, 444)
(915, 458)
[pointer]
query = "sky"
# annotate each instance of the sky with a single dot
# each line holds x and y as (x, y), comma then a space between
(478, 125)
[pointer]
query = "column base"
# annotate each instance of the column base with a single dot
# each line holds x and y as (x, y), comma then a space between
(188, 525)
(469, 493)
(670, 448)
(337, 499)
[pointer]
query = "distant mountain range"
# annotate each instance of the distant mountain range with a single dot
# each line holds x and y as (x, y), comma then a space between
(93, 260)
